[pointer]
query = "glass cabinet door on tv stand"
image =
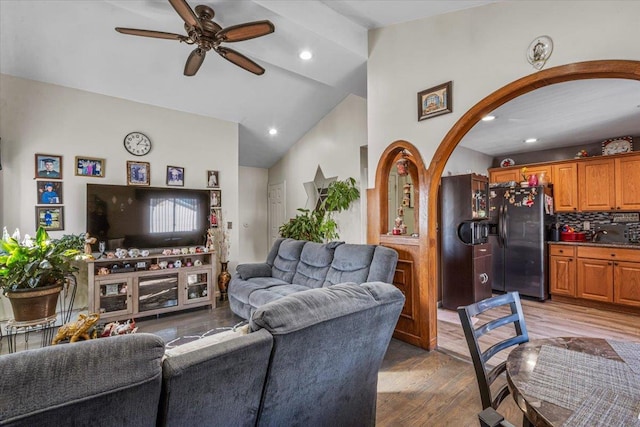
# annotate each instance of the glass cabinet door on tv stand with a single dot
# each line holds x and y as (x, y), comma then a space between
(113, 296)
(197, 285)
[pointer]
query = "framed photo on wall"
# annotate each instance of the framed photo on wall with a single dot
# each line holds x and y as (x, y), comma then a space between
(50, 218)
(175, 176)
(48, 166)
(216, 198)
(213, 179)
(435, 101)
(89, 166)
(215, 217)
(49, 192)
(138, 173)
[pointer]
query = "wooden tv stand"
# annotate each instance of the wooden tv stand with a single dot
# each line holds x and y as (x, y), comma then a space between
(126, 288)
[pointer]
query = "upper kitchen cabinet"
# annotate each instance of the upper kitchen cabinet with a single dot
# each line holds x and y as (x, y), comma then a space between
(610, 184)
(565, 187)
(505, 175)
(596, 179)
(628, 185)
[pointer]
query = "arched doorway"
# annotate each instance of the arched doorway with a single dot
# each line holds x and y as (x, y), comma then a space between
(621, 69)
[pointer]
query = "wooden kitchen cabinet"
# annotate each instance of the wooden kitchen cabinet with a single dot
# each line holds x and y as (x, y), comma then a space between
(505, 175)
(627, 183)
(596, 191)
(609, 274)
(562, 270)
(565, 187)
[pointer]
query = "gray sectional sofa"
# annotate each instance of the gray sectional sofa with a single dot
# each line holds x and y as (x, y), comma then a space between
(311, 358)
(295, 265)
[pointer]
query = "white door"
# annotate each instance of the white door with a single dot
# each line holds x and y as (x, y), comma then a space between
(277, 214)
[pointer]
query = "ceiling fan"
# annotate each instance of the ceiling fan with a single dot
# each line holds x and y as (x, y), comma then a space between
(207, 34)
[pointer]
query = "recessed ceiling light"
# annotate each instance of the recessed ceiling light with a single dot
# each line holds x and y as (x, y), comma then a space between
(273, 131)
(306, 55)
(488, 118)
(530, 140)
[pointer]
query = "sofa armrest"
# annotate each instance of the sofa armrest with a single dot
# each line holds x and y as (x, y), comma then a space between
(247, 271)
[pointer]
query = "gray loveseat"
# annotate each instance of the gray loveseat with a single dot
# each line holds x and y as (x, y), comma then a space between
(296, 265)
(311, 359)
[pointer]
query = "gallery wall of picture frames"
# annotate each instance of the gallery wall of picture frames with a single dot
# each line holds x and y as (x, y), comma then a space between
(48, 176)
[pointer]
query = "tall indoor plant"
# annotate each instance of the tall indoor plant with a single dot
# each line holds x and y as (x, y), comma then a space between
(318, 225)
(32, 273)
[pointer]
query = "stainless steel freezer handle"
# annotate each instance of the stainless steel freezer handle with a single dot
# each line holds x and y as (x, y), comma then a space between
(505, 228)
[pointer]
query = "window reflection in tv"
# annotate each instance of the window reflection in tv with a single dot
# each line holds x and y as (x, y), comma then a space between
(146, 217)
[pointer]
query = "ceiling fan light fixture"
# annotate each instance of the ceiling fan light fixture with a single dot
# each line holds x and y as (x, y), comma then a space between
(530, 140)
(305, 55)
(488, 118)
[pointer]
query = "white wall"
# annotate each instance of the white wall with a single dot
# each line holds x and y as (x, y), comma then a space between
(252, 215)
(44, 118)
(334, 144)
(480, 50)
(464, 160)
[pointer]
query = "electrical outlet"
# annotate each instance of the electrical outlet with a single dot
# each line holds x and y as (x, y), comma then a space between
(586, 226)
(229, 225)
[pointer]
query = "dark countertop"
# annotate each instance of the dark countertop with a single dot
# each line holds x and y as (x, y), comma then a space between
(625, 245)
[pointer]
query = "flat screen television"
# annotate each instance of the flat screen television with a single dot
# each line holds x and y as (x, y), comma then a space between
(147, 217)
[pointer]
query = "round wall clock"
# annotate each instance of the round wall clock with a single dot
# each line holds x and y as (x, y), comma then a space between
(617, 145)
(137, 143)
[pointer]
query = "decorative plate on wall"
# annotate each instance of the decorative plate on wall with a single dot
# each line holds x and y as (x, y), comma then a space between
(623, 144)
(505, 163)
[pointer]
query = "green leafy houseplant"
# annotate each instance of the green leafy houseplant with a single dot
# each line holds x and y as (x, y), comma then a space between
(318, 225)
(35, 263)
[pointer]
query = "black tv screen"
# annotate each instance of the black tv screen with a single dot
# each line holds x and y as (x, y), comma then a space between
(146, 217)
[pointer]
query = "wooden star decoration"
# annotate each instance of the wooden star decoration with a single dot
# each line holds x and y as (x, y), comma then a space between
(317, 189)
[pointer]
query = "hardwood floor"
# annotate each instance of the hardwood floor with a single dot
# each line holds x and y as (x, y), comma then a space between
(420, 388)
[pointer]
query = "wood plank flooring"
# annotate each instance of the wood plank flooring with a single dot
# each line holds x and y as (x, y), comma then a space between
(420, 388)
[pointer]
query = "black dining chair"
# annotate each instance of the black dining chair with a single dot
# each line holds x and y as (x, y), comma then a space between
(485, 374)
(491, 418)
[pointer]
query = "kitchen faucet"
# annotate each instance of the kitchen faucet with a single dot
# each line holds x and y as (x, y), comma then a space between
(597, 233)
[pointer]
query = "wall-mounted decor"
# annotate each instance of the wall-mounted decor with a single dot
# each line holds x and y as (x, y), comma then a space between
(137, 143)
(215, 217)
(216, 198)
(89, 166)
(213, 179)
(175, 176)
(435, 101)
(49, 192)
(48, 166)
(539, 51)
(49, 217)
(138, 173)
(619, 145)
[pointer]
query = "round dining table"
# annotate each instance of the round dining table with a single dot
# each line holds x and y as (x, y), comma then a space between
(576, 381)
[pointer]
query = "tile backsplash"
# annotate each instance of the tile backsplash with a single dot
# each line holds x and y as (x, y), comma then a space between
(598, 220)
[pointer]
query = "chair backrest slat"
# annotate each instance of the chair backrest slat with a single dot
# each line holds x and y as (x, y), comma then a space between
(480, 358)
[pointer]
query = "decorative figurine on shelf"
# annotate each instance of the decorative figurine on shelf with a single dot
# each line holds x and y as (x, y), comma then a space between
(88, 241)
(533, 180)
(582, 153)
(400, 227)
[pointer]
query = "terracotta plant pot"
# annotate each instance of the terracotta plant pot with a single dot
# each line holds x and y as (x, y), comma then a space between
(34, 304)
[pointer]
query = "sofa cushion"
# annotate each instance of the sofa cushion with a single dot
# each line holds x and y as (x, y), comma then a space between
(286, 262)
(248, 271)
(242, 289)
(315, 260)
(351, 263)
(262, 296)
(383, 265)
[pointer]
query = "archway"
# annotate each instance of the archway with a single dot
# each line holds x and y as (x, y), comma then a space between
(621, 69)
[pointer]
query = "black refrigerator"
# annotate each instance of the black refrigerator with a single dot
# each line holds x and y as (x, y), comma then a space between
(519, 249)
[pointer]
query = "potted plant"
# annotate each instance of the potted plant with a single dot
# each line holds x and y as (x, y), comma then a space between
(318, 225)
(32, 273)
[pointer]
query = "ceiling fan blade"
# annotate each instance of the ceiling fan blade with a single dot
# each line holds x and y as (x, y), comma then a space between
(186, 13)
(149, 33)
(250, 30)
(240, 60)
(194, 62)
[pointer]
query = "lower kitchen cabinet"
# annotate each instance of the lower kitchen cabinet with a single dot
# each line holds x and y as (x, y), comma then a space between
(595, 273)
(562, 270)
